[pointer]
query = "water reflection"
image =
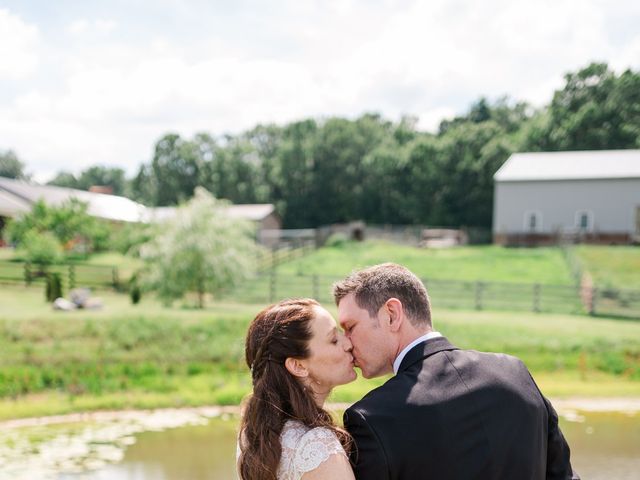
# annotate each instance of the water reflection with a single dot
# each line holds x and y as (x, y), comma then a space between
(604, 446)
(185, 453)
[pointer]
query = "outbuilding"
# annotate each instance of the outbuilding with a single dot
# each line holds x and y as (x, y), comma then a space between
(585, 196)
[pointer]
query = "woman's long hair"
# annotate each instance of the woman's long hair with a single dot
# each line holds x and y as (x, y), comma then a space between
(279, 331)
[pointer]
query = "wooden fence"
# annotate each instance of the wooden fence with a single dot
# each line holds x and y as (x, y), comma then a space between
(270, 286)
(73, 274)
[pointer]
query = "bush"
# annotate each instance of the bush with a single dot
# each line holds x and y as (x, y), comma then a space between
(337, 240)
(41, 248)
(53, 289)
(134, 290)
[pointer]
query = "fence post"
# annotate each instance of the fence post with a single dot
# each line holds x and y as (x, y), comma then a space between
(478, 295)
(27, 273)
(72, 276)
(316, 287)
(272, 284)
(114, 277)
(536, 298)
(594, 298)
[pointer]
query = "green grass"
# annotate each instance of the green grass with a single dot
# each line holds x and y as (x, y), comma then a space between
(147, 356)
(474, 263)
(611, 267)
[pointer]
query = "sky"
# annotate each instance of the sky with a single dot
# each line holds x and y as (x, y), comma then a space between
(87, 83)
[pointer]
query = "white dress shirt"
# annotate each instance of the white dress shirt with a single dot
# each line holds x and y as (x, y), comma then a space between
(423, 338)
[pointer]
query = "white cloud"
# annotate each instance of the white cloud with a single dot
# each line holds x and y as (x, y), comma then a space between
(18, 47)
(116, 96)
(82, 26)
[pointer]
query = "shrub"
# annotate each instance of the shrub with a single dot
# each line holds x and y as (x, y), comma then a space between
(53, 289)
(41, 248)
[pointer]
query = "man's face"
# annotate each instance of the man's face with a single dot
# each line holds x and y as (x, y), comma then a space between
(369, 336)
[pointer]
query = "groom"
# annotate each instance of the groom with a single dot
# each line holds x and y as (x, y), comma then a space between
(446, 413)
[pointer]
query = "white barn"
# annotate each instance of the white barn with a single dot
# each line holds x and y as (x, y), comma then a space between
(587, 196)
(17, 197)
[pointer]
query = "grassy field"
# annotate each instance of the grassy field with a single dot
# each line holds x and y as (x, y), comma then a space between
(484, 263)
(611, 267)
(148, 356)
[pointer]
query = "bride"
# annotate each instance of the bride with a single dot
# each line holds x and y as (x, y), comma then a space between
(296, 355)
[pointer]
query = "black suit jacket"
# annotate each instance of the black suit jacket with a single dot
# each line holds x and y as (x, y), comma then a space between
(457, 414)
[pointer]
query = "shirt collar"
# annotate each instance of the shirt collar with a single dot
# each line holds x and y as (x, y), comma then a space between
(423, 338)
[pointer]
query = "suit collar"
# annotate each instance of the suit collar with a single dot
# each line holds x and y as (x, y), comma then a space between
(425, 349)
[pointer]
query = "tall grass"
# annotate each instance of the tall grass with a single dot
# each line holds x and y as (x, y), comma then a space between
(135, 355)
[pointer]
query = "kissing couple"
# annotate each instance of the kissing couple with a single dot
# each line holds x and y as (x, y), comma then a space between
(446, 413)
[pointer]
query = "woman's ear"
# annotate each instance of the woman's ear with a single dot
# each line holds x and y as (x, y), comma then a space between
(296, 367)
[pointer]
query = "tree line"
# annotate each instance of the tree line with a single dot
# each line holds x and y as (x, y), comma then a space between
(322, 171)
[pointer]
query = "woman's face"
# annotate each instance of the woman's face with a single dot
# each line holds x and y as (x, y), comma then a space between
(330, 362)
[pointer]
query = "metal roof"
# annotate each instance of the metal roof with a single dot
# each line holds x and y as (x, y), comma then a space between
(108, 207)
(17, 196)
(254, 212)
(580, 165)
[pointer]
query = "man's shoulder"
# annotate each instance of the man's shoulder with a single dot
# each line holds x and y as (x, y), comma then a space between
(382, 397)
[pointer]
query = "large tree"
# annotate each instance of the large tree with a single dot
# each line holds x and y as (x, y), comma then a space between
(595, 110)
(200, 250)
(11, 166)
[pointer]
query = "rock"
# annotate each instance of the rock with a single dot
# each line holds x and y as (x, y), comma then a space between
(93, 303)
(63, 304)
(79, 296)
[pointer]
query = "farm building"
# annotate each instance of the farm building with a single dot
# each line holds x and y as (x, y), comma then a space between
(17, 197)
(586, 196)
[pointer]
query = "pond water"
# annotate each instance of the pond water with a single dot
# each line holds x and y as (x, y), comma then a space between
(604, 446)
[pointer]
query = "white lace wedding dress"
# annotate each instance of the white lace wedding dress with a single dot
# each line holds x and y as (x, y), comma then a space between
(304, 449)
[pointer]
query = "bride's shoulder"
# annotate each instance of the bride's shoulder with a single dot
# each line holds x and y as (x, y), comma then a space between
(306, 448)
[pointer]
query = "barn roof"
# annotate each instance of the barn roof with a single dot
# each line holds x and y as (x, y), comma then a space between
(17, 196)
(108, 207)
(579, 165)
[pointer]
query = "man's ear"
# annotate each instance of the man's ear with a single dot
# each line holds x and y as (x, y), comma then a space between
(296, 367)
(396, 313)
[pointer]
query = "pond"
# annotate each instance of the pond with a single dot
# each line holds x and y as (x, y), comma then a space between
(604, 446)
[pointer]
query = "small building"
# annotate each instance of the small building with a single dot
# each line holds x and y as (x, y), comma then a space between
(17, 197)
(586, 196)
(263, 216)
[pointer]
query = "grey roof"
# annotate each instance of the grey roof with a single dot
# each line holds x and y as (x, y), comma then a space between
(249, 211)
(17, 196)
(108, 207)
(570, 165)
(10, 205)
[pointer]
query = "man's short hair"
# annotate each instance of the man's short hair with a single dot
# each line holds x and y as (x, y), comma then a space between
(373, 286)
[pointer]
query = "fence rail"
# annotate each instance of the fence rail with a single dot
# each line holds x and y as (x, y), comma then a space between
(72, 274)
(270, 286)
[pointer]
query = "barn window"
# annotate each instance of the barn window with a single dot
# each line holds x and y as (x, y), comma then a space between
(584, 220)
(532, 221)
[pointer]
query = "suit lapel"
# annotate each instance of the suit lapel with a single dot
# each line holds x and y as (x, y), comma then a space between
(425, 349)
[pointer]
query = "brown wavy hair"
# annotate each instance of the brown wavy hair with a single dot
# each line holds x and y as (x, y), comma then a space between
(279, 331)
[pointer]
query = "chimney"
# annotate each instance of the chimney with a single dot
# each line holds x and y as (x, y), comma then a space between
(101, 189)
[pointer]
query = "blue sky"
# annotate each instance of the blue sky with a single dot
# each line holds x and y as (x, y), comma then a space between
(85, 83)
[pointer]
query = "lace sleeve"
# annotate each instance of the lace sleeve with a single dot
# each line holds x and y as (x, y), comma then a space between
(315, 447)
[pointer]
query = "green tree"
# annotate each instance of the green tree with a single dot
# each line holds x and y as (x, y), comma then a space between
(69, 223)
(41, 248)
(11, 166)
(595, 110)
(176, 169)
(103, 176)
(201, 250)
(64, 179)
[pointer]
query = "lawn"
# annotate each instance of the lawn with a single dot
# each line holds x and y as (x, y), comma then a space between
(611, 267)
(472, 263)
(149, 356)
